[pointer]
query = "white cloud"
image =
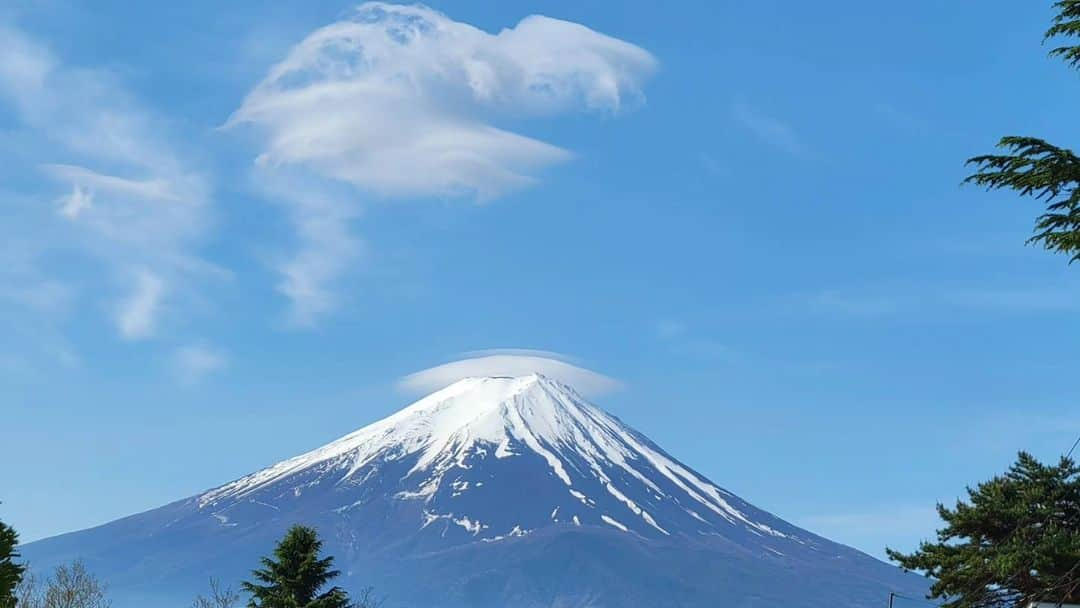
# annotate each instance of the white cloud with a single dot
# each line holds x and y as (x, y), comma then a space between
(137, 317)
(138, 213)
(307, 278)
(75, 203)
(87, 112)
(403, 102)
(325, 248)
(24, 69)
(510, 362)
(159, 218)
(192, 364)
(152, 189)
(771, 130)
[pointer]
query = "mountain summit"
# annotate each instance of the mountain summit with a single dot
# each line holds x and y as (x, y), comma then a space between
(465, 446)
(506, 491)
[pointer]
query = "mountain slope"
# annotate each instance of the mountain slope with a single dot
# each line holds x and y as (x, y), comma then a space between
(493, 492)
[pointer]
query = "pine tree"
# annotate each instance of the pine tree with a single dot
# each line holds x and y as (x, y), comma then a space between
(1036, 168)
(10, 571)
(1016, 540)
(294, 576)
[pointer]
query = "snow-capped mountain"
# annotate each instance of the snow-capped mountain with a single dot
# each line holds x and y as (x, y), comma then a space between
(590, 467)
(510, 491)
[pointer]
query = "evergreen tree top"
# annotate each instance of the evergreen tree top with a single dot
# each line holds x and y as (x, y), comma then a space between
(293, 577)
(10, 571)
(1015, 540)
(1066, 24)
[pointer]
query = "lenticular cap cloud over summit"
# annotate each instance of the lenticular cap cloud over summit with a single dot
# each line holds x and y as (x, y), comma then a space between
(510, 362)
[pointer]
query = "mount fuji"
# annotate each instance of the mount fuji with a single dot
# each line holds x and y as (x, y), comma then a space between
(493, 492)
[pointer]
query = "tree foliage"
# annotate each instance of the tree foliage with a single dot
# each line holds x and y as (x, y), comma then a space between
(294, 576)
(11, 572)
(1033, 167)
(1016, 540)
(1067, 25)
(1036, 168)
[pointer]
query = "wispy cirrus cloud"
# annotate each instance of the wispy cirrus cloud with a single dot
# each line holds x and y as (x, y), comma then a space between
(22, 284)
(121, 193)
(32, 303)
(680, 338)
(876, 527)
(155, 189)
(769, 129)
(194, 364)
(889, 301)
(72, 205)
(402, 102)
(137, 315)
(325, 248)
(901, 118)
(850, 303)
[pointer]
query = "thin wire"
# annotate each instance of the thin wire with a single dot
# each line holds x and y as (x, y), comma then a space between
(1075, 443)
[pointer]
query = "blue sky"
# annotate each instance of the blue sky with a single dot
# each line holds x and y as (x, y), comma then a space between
(748, 213)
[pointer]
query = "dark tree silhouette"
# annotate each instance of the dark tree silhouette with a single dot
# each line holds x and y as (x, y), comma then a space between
(11, 572)
(294, 576)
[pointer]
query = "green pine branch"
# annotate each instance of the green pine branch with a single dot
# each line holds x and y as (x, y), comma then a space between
(11, 571)
(1066, 24)
(1015, 540)
(1032, 167)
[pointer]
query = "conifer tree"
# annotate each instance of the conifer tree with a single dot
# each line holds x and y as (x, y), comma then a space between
(1034, 167)
(1016, 540)
(10, 571)
(293, 577)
